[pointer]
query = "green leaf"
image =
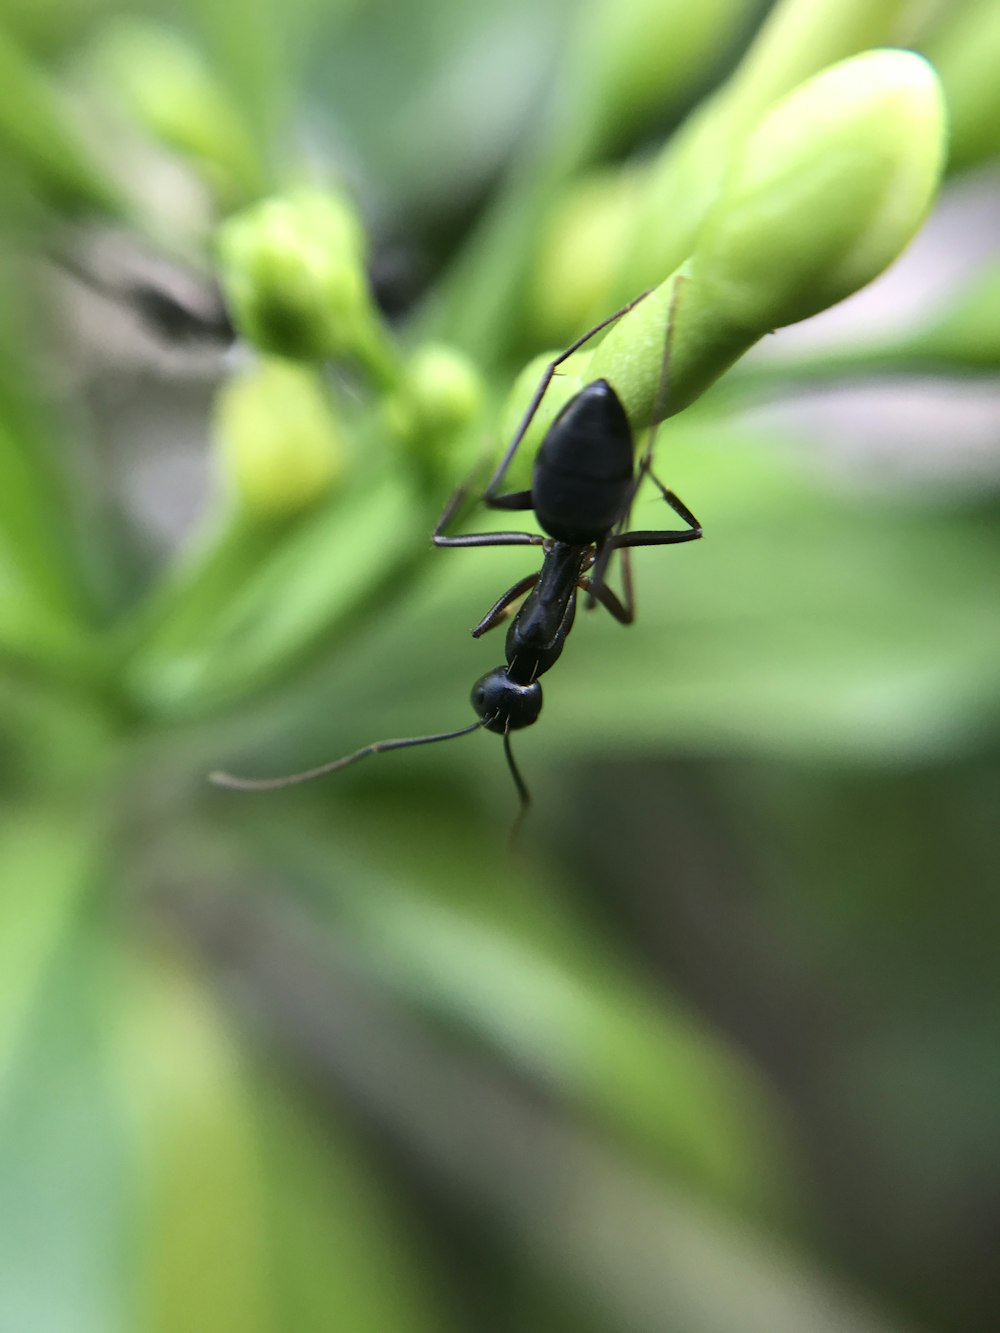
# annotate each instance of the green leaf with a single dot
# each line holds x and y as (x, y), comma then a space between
(254, 1214)
(63, 1206)
(38, 132)
(534, 984)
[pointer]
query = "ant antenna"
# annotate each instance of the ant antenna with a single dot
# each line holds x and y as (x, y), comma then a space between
(524, 796)
(307, 775)
(522, 787)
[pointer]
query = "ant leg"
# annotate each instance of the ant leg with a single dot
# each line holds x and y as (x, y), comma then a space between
(674, 501)
(492, 539)
(478, 538)
(627, 539)
(539, 394)
(517, 500)
(495, 614)
(621, 541)
(607, 547)
(692, 532)
(624, 613)
(623, 609)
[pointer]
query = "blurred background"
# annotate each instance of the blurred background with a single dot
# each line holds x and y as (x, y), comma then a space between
(714, 1046)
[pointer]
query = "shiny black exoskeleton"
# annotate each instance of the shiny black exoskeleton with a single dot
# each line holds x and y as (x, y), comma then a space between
(582, 488)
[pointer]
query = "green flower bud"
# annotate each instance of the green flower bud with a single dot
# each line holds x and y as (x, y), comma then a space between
(632, 62)
(965, 51)
(280, 444)
(444, 388)
(168, 87)
(830, 187)
(292, 270)
(38, 139)
(797, 40)
(827, 191)
(440, 393)
(580, 249)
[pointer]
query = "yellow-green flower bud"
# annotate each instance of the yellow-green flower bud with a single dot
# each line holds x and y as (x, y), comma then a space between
(827, 191)
(39, 139)
(439, 394)
(292, 270)
(580, 251)
(279, 441)
(797, 39)
(634, 61)
(965, 51)
(443, 387)
(168, 87)
(830, 187)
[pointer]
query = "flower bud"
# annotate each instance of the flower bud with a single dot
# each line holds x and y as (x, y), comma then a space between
(827, 191)
(965, 51)
(668, 350)
(797, 39)
(580, 250)
(830, 187)
(631, 63)
(168, 88)
(444, 388)
(280, 443)
(438, 395)
(292, 271)
(39, 139)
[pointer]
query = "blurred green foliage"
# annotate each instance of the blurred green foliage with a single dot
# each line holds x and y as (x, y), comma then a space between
(713, 1048)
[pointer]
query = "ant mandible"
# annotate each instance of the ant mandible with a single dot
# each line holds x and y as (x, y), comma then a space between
(583, 486)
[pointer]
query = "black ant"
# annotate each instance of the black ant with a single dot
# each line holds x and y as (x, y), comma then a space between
(584, 483)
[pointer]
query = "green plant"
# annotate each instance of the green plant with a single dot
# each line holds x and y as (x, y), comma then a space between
(309, 616)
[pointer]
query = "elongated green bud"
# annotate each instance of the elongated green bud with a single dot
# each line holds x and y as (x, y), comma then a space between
(632, 62)
(798, 39)
(580, 250)
(656, 374)
(965, 51)
(827, 192)
(280, 444)
(169, 88)
(38, 136)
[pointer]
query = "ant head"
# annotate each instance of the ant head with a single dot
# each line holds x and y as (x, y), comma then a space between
(504, 705)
